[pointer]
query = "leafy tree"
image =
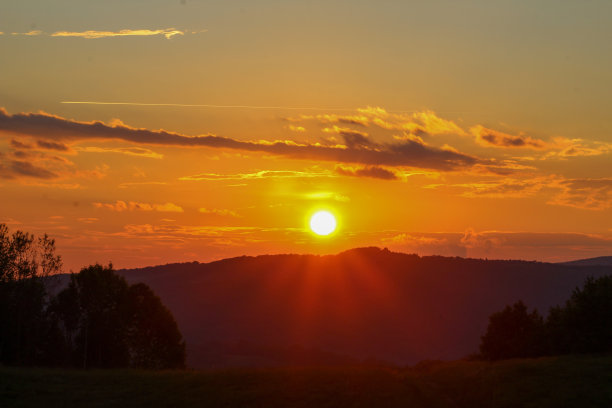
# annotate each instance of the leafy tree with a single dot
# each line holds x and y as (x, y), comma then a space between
(92, 309)
(111, 324)
(585, 324)
(26, 334)
(153, 338)
(512, 333)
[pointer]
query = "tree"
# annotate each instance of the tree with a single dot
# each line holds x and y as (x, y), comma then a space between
(153, 338)
(513, 333)
(111, 324)
(584, 325)
(92, 309)
(26, 334)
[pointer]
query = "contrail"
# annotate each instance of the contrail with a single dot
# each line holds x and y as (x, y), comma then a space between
(188, 105)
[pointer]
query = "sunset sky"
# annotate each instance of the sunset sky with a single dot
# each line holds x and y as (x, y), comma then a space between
(149, 132)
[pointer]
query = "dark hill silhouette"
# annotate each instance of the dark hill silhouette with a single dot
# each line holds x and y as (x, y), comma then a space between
(599, 261)
(363, 303)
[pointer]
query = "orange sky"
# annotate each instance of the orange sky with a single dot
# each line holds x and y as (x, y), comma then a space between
(215, 129)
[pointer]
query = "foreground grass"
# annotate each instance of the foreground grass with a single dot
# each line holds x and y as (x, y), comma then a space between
(575, 381)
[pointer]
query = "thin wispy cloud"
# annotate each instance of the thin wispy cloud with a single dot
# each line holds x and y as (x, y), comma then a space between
(203, 105)
(264, 174)
(93, 34)
(224, 212)
(168, 33)
(120, 206)
(30, 33)
(129, 151)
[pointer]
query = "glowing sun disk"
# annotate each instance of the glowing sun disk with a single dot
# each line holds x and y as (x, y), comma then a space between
(322, 223)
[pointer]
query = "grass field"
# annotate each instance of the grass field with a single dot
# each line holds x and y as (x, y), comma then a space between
(574, 381)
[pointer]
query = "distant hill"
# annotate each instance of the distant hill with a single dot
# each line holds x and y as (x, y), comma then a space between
(365, 303)
(599, 261)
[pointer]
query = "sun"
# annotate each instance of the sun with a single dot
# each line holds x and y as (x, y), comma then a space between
(323, 223)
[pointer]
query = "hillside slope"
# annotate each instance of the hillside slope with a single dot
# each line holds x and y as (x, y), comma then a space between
(365, 303)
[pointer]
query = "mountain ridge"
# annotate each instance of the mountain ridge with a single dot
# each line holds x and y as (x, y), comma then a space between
(364, 303)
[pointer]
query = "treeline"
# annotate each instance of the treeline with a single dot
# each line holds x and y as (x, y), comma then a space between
(98, 320)
(582, 325)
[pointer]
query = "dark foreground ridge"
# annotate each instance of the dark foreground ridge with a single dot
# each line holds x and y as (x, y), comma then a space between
(366, 304)
(570, 381)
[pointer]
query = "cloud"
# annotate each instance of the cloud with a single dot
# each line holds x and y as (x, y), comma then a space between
(257, 175)
(370, 171)
(417, 123)
(409, 153)
(96, 34)
(17, 144)
(294, 128)
(142, 183)
(130, 151)
(471, 239)
(353, 139)
(120, 206)
(490, 137)
(588, 194)
(30, 33)
(88, 220)
(327, 195)
(13, 169)
(543, 246)
(577, 148)
(93, 34)
(48, 145)
(217, 211)
(506, 188)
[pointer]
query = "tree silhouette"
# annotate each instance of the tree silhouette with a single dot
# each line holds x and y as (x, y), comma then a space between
(585, 324)
(26, 334)
(94, 304)
(111, 324)
(153, 338)
(513, 332)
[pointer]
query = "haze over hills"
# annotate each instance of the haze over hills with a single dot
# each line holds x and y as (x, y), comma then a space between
(365, 303)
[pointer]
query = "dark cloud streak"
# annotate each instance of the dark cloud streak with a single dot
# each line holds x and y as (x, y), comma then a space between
(407, 153)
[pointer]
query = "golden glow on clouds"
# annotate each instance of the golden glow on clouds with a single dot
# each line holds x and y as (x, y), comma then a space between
(257, 175)
(168, 33)
(92, 34)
